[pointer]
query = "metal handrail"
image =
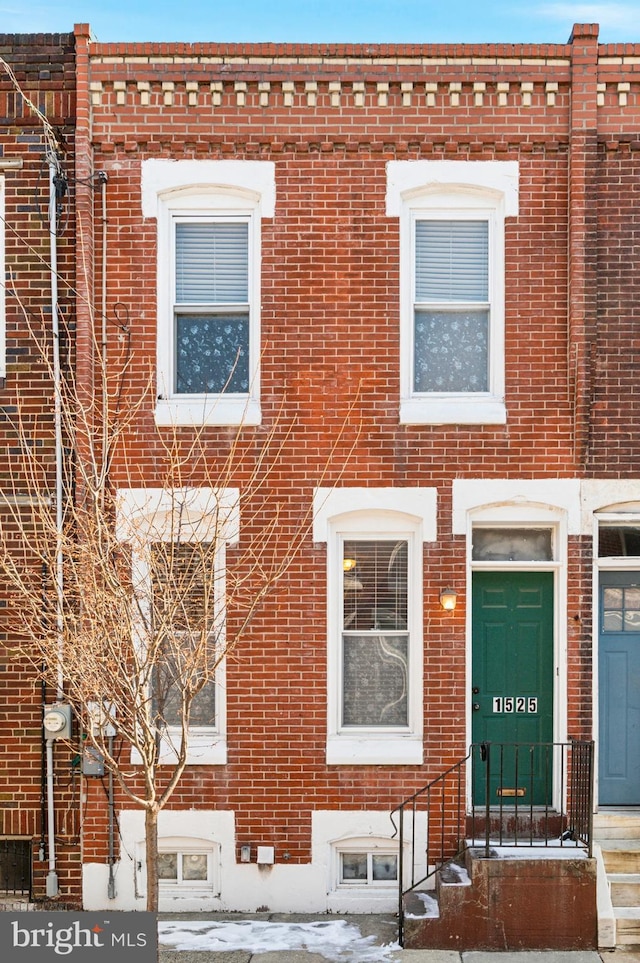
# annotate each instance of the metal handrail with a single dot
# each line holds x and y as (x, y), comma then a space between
(451, 826)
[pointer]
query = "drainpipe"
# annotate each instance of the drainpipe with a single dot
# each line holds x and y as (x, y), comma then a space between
(43, 747)
(102, 180)
(54, 183)
(111, 888)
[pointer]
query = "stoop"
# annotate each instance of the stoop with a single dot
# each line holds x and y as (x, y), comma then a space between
(514, 902)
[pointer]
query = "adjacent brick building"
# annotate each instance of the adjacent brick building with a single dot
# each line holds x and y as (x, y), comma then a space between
(43, 69)
(414, 265)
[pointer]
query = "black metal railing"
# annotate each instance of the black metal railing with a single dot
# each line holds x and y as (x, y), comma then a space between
(499, 795)
(15, 867)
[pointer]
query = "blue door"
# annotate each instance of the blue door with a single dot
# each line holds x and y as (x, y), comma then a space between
(619, 689)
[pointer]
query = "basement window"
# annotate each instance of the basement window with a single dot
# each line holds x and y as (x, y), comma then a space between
(368, 869)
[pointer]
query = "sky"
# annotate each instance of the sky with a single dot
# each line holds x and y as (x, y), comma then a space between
(326, 21)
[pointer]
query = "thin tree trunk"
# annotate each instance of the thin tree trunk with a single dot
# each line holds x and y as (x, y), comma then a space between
(151, 851)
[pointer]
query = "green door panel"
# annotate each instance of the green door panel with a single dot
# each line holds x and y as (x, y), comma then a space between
(512, 683)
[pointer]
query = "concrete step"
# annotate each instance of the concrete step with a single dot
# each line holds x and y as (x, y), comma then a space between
(621, 855)
(627, 925)
(616, 825)
(625, 888)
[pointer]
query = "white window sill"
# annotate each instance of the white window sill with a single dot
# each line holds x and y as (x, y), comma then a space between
(470, 410)
(204, 410)
(204, 750)
(372, 749)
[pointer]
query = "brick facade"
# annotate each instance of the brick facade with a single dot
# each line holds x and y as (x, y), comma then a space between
(331, 119)
(44, 68)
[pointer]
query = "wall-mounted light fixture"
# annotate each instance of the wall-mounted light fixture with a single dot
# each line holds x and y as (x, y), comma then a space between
(448, 599)
(351, 582)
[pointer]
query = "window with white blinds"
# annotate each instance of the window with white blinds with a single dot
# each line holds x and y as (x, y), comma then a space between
(210, 216)
(374, 622)
(452, 260)
(452, 220)
(451, 306)
(212, 263)
(212, 324)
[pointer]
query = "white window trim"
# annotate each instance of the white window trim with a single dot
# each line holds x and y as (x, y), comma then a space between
(148, 515)
(183, 846)
(214, 189)
(486, 190)
(335, 831)
(361, 845)
(606, 500)
(369, 513)
(470, 502)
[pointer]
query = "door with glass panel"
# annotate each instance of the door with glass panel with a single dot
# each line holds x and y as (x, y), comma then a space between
(375, 636)
(512, 667)
(619, 688)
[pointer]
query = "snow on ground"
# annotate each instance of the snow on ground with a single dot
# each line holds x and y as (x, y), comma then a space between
(336, 940)
(555, 849)
(431, 908)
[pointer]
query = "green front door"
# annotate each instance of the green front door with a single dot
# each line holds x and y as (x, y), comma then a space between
(512, 685)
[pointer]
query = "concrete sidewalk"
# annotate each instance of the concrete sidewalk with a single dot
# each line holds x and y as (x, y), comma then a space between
(384, 932)
(396, 956)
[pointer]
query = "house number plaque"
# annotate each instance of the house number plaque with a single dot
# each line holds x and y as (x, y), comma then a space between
(515, 703)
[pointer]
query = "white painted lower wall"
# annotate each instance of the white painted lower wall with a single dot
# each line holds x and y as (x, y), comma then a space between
(247, 887)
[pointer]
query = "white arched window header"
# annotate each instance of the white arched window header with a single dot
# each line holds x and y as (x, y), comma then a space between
(419, 504)
(407, 179)
(516, 498)
(184, 514)
(161, 177)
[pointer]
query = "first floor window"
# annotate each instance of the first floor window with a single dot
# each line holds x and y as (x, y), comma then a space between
(375, 637)
(187, 614)
(375, 539)
(178, 541)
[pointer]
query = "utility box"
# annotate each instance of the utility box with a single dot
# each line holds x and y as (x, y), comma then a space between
(92, 762)
(56, 720)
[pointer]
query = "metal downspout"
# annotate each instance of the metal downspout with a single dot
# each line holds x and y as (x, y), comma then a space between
(54, 168)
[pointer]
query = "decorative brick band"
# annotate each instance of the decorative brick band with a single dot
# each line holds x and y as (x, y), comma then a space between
(359, 94)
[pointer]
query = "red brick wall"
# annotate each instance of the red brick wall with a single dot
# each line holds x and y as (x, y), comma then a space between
(330, 323)
(615, 433)
(44, 69)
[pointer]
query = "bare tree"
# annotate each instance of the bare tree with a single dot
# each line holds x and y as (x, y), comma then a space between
(141, 609)
(147, 610)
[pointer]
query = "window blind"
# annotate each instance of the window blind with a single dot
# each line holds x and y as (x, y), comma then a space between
(212, 263)
(452, 261)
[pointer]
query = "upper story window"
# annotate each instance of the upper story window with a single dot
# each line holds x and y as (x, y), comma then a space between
(209, 217)
(212, 308)
(452, 311)
(452, 287)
